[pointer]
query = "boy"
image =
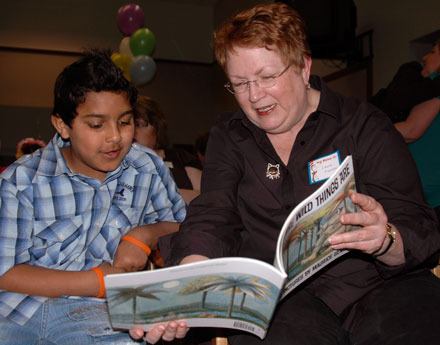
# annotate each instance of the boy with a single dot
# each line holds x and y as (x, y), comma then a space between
(87, 205)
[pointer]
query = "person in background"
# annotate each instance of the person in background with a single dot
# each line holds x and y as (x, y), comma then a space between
(24, 146)
(382, 291)
(200, 146)
(86, 205)
(421, 130)
(408, 88)
(151, 131)
(27, 146)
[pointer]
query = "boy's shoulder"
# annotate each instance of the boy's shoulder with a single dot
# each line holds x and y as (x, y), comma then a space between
(24, 171)
(144, 159)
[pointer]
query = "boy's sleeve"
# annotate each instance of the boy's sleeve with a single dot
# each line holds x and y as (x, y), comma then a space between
(165, 203)
(15, 226)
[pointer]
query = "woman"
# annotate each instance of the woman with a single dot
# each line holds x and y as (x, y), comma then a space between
(151, 131)
(291, 120)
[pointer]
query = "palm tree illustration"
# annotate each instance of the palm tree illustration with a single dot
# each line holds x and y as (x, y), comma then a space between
(245, 284)
(254, 289)
(125, 294)
(204, 285)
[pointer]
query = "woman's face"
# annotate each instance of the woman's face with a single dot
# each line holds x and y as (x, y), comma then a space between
(145, 134)
(276, 109)
(431, 61)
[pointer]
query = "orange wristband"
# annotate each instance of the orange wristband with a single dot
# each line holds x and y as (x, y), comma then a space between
(137, 243)
(100, 276)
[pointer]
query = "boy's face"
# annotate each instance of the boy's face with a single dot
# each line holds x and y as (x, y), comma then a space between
(100, 135)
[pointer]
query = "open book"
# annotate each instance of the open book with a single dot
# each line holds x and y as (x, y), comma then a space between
(234, 292)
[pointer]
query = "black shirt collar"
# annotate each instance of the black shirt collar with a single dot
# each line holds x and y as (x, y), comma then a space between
(329, 101)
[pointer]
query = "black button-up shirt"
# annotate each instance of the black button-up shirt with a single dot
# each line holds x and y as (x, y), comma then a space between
(240, 211)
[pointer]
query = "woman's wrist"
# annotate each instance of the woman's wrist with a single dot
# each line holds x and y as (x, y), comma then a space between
(390, 239)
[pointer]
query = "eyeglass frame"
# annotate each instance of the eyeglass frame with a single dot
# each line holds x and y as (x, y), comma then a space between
(229, 85)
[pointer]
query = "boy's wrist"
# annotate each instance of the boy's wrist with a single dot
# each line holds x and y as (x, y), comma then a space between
(101, 284)
(143, 235)
(137, 243)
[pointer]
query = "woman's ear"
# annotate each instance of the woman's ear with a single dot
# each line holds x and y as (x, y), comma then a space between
(306, 69)
(60, 126)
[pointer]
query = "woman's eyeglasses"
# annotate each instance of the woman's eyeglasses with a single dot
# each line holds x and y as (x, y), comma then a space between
(263, 82)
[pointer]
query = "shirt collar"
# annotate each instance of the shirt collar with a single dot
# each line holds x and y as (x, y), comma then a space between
(53, 163)
(328, 102)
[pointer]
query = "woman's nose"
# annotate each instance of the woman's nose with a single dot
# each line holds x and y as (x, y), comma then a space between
(255, 91)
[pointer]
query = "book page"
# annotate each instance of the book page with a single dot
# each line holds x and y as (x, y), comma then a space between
(237, 293)
(302, 248)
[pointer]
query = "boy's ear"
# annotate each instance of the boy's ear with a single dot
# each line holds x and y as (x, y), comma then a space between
(60, 126)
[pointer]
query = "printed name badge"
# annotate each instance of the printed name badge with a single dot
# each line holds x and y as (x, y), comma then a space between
(322, 168)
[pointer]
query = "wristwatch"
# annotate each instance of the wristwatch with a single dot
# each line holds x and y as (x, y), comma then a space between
(391, 233)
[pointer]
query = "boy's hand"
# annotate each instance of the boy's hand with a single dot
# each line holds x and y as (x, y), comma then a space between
(129, 257)
(107, 268)
(132, 258)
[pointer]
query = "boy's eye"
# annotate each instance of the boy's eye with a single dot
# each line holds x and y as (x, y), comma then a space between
(95, 125)
(125, 122)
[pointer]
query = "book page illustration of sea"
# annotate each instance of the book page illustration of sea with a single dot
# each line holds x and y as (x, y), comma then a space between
(232, 299)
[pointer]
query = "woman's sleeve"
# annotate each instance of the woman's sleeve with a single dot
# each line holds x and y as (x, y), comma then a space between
(388, 173)
(212, 227)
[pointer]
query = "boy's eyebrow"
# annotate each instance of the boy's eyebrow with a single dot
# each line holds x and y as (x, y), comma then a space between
(127, 112)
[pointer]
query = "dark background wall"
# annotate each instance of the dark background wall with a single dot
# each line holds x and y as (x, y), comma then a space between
(38, 38)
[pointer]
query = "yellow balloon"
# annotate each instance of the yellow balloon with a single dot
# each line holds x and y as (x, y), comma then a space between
(123, 62)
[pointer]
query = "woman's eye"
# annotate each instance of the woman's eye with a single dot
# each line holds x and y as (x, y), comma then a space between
(267, 77)
(239, 84)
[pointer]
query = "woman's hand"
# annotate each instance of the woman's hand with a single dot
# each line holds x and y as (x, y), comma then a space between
(371, 237)
(166, 331)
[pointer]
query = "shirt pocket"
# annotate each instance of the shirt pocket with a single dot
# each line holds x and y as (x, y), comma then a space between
(56, 239)
(124, 217)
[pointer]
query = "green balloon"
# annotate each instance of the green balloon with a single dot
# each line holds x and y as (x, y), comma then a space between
(142, 42)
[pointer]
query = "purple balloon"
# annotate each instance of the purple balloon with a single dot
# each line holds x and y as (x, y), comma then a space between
(130, 18)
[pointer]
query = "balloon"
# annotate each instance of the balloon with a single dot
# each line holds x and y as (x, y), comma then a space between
(124, 47)
(142, 42)
(130, 18)
(123, 62)
(142, 70)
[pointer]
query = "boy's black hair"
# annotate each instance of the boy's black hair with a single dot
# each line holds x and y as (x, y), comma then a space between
(94, 71)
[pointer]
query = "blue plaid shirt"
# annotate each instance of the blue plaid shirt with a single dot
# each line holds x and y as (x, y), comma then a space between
(51, 217)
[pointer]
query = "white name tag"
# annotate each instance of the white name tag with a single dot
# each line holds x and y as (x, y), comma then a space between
(322, 168)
